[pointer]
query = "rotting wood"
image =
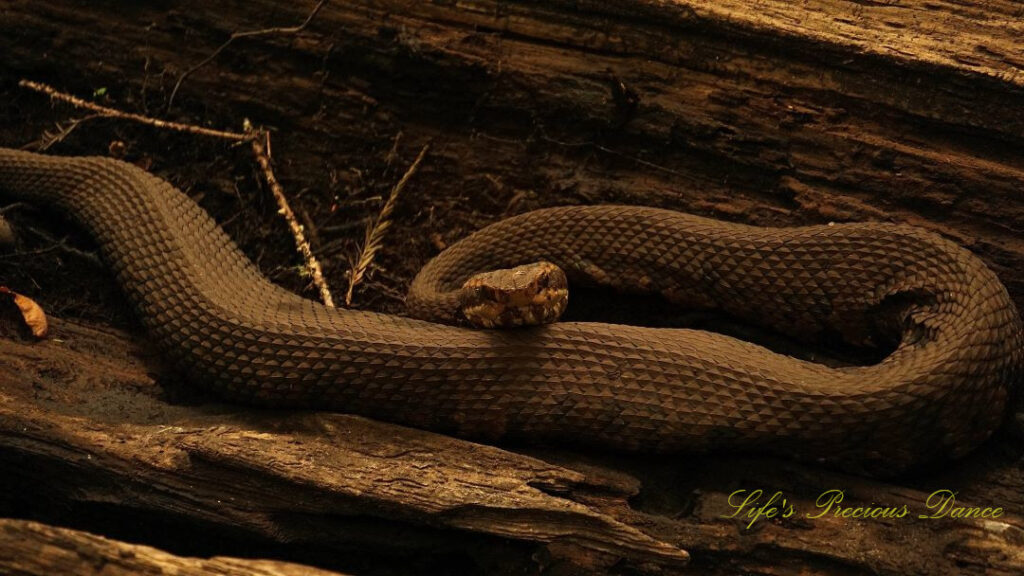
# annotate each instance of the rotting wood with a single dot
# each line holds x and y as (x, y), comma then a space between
(771, 113)
(230, 466)
(90, 432)
(30, 548)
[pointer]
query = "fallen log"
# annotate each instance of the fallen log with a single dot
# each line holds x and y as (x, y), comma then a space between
(31, 548)
(83, 422)
(770, 113)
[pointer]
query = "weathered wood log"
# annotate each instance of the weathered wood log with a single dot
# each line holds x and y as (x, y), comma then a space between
(82, 421)
(34, 549)
(75, 426)
(770, 112)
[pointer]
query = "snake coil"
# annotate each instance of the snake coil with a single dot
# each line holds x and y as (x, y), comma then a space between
(942, 391)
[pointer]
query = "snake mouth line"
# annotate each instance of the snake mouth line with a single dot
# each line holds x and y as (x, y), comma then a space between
(542, 308)
(526, 295)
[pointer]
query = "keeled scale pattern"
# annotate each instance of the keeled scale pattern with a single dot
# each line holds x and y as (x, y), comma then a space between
(628, 388)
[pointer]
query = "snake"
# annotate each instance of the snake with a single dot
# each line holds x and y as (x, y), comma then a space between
(526, 295)
(956, 336)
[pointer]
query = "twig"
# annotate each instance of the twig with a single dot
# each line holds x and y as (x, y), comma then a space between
(61, 245)
(249, 34)
(260, 141)
(375, 233)
(12, 206)
(65, 247)
(261, 150)
(114, 113)
(393, 153)
(63, 130)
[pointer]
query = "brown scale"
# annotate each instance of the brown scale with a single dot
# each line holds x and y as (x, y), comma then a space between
(938, 395)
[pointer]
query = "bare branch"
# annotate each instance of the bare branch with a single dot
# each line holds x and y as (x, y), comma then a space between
(261, 150)
(248, 34)
(114, 113)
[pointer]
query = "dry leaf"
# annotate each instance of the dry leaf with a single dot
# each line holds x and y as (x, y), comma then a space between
(31, 312)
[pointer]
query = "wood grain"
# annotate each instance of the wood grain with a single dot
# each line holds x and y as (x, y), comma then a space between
(770, 112)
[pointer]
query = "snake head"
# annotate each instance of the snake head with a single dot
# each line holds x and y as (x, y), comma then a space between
(526, 295)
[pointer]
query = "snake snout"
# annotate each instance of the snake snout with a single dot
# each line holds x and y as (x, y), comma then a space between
(526, 295)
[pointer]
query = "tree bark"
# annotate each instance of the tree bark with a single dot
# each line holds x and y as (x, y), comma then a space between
(84, 425)
(29, 548)
(771, 113)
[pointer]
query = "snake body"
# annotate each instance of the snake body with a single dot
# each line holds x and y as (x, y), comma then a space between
(941, 392)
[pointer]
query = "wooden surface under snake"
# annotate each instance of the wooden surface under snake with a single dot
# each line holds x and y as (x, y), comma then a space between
(939, 394)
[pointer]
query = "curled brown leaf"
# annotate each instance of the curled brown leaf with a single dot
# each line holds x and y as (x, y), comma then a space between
(31, 312)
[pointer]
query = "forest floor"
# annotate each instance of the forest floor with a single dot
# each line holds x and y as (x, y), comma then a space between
(344, 132)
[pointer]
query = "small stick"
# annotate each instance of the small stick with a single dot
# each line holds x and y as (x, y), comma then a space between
(48, 138)
(375, 233)
(249, 34)
(260, 140)
(261, 150)
(114, 113)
